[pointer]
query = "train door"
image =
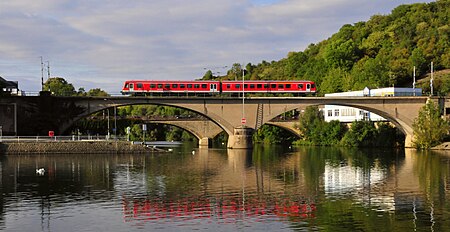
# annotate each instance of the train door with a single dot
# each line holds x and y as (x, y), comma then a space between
(131, 87)
(213, 88)
(308, 87)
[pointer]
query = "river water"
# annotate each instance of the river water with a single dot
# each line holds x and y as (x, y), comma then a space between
(266, 189)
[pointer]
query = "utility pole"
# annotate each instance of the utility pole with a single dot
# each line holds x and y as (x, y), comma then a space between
(431, 79)
(42, 75)
(414, 81)
(48, 69)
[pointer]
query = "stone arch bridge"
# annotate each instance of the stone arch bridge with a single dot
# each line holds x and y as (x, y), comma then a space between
(40, 114)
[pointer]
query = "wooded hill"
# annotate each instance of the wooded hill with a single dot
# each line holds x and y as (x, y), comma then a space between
(378, 53)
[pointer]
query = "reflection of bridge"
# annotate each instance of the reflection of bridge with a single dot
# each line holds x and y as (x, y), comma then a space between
(41, 114)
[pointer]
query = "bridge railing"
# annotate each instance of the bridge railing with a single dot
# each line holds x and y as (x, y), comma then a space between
(22, 139)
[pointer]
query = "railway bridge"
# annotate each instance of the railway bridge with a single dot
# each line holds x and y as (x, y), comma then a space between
(237, 117)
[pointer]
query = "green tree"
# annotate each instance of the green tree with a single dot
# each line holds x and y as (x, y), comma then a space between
(361, 134)
(97, 92)
(429, 128)
(236, 71)
(58, 86)
(316, 131)
(341, 53)
(81, 92)
(208, 75)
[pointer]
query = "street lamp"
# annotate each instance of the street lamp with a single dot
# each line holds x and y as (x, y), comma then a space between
(243, 97)
(115, 119)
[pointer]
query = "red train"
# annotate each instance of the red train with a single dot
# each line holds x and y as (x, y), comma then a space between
(192, 88)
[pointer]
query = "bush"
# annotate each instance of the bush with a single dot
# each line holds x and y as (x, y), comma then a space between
(429, 128)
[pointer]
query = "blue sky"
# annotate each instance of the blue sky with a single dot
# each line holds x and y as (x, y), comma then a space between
(102, 43)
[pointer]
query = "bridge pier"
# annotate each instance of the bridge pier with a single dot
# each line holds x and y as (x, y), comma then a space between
(409, 140)
(203, 142)
(241, 138)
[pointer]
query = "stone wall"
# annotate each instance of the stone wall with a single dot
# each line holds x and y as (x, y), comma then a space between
(74, 147)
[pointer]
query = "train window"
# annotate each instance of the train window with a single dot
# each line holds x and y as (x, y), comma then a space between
(238, 86)
(167, 86)
(266, 86)
(139, 85)
(152, 86)
(131, 86)
(182, 86)
(288, 86)
(280, 86)
(228, 86)
(174, 86)
(204, 86)
(245, 86)
(313, 85)
(126, 86)
(189, 86)
(258, 86)
(197, 86)
(273, 86)
(160, 86)
(300, 86)
(252, 86)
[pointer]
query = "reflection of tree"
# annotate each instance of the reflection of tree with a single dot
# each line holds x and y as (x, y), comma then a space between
(432, 175)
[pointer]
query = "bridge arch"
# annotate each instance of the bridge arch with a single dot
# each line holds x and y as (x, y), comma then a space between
(203, 130)
(398, 113)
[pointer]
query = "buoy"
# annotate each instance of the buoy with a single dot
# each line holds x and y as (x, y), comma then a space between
(40, 171)
(193, 152)
(170, 149)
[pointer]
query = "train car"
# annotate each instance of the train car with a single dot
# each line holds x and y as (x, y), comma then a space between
(167, 88)
(269, 87)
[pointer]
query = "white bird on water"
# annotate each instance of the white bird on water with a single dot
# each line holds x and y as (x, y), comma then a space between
(40, 171)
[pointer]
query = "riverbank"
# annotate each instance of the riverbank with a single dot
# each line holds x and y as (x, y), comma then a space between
(75, 147)
(442, 146)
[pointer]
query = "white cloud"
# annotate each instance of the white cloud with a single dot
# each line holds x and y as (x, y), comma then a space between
(100, 44)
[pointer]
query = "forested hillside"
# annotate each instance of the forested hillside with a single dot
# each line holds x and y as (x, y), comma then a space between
(378, 53)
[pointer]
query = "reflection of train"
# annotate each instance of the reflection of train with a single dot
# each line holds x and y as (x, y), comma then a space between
(167, 88)
(224, 207)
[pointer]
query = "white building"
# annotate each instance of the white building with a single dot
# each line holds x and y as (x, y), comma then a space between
(350, 114)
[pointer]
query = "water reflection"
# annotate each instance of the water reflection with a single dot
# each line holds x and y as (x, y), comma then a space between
(217, 186)
(266, 188)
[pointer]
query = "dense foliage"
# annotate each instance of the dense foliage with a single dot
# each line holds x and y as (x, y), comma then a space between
(429, 128)
(316, 131)
(273, 135)
(378, 53)
(58, 86)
